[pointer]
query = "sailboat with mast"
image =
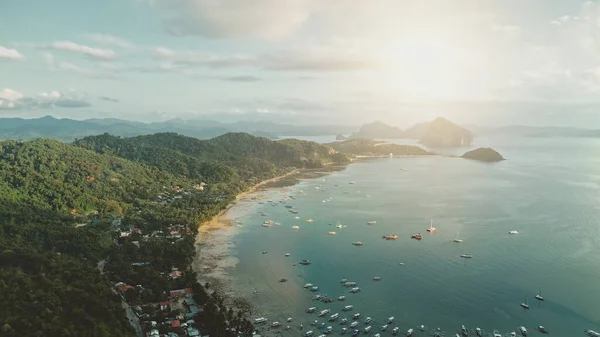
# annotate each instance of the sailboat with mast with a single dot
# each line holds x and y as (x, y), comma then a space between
(431, 229)
(457, 240)
(524, 305)
(539, 296)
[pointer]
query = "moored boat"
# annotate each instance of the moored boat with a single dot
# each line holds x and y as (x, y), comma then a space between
(308, 333)
(417, 236)
(275, 325)
(354, 324)
(355, 290)
(390, 237)
(344, 321)
(391, 319)
(342, 298)
(376, 278)
(309, 220)
(384, 327)
(431, 229)
(464, 331)
(523, 331)
(348, 308)
(324, 312)
(372, 223)
(409, 332)
(542, 329)
(334, 317)
(466, 256)
(311, 310)
(308, 285)
(357, 243)
(479, 332)
(356, 316)
(305, 262)
(368, 320)
(260, 320)
(513, 232)
(367, 329)
(395, 331)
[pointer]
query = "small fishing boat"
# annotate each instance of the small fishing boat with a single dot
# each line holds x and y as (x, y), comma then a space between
(342, 298)
(391, 319)
(368, 320)
(592, 333)
(283, 280)
(343, 280)
(305, 262)
(513, 232)
(354, 324)
(275, 325)
(328, 329)
(496, 334)
(260, 320)
(287, 254)
(464, 331)
(331, 233)
(297, 218)
(295, 227)
(344, 321)
(324, 312)
(339, 226)
(356, 316)
(315, 288)
(308, 333)
(350, 284)
(409, 332)
(311, 310)
(479, 332)
(334, 317)
(367, 329)
(308, 285)
(395, 331)
(523, 331)
(390, 237)
(264, 252)
(384, 327)
(431, 229)
(466, 256)
(377, 335)
(344, 330)
(422, 327)
(372, 223)
(417, 236)
(309, 220)
(357, 243)
(542, 329)
(328, 300)
(355, 290)
(376, 278)
(354, 332)
(349, 308)
(318, 297)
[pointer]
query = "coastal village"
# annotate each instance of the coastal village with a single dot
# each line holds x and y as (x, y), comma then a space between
(158, 299)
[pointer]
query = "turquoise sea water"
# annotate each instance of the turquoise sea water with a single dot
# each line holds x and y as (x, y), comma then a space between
(547, 189)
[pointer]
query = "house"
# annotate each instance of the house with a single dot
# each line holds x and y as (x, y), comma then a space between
(175, 324)
(175, 273)
(124, 288)
(163, 305)
(180, 292)
(125, 234)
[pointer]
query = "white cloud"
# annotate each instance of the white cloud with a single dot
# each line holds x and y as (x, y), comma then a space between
(106, 39)
(237, 18)
(11, 99)
(70, 67)
(94, 53)
(310, 58)
(10, 54)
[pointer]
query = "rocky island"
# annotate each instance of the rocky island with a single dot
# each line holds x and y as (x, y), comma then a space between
(484, 154)
(443, 133)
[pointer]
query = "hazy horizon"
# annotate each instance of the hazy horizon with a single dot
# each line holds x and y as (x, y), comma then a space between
(300, 61)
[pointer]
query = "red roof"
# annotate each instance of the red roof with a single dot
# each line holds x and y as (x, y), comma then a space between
(175, 324)
(163, 303)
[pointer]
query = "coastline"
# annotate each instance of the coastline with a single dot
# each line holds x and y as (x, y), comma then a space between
(215, 242)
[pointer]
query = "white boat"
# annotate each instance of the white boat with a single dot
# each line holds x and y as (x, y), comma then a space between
(466, 256)
(409, 332)
(479, 332)
(539, 296)
(367, 329)
(372, 223)
(592, 333)
(542, 329)
(289, 319)
(295, 227)
(297, 218)
(309, 220)
(464, 331)
(275, 325)
(523, 331)
(377, 335)
(334, 317)
(524, 305)
(376, 278)
(431, 229)
(308, 333)
(308, 285)
(513, 232)
(344, 330)
(457, 240)
(355, 290)
(331, 233)
(384, 327)
(356, 316)
(496, 334)
(329, 329)
(260, 320)
(354, 324)
(344, 321)
(395, 330)
(342, 298)
(323, 312)
(339, 226)
(287, 254)
(391, 319)
(513, 334)
(368, 320)
(348, 308)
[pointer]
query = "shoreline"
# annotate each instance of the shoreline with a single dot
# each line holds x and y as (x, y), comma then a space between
(215, 240)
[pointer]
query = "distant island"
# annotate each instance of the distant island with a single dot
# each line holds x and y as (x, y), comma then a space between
(339, 136)
(484, 154)
(437, 133)
(443, 133)
(368, 147)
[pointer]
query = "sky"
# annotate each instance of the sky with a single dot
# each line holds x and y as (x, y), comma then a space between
(487, 62)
